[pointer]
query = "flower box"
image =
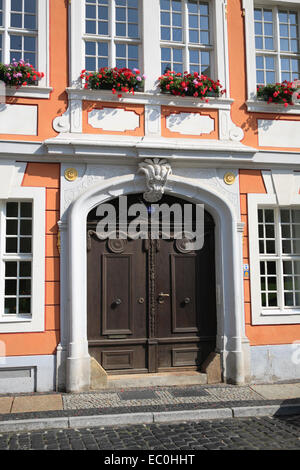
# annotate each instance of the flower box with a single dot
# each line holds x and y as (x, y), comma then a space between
(19, 73)
(285, 93)
(117, 80)
(190, 84)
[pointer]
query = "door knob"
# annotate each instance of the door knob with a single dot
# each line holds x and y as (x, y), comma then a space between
(118, 301)
(161, 296)
(187, 300)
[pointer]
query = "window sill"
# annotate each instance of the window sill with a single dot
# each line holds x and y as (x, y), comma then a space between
(29, 92)
(256, 106)
(277, 317)
(7, 318)
(154, 98)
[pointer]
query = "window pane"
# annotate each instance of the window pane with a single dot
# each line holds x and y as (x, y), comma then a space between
(25, 269)
(288, 299)
(272, 300)
(25, 245)
(10, 306)
(24, 287)
(16, 20)
(25, 227)
(30, 6)
(10, 287)
(11, 227)
(11, 245)
(16, 42)
(16, 5)
(295, 216)
(90, 27)
(26, 209)
(29, 22)
(24, 305)
(11, 269)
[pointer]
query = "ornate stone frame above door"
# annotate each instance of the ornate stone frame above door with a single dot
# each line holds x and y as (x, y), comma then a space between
(230, 311)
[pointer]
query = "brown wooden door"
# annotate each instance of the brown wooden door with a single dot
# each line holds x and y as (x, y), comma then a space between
(151, 303)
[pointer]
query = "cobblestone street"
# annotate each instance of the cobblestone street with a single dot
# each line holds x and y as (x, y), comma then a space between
(235, 434)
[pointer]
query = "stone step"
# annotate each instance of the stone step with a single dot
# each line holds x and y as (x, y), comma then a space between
(162, 379)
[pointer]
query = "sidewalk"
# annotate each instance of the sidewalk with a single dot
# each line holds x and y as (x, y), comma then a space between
(146, 405)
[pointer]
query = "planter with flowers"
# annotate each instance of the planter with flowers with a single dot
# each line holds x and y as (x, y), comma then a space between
(19, 73)
(280, 93)
(117, 80)
(190, 84)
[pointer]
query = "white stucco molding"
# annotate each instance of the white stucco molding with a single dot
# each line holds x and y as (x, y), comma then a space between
(228, 269)
(71, 120)
(157, 173)
(113, 119)
(190, 123)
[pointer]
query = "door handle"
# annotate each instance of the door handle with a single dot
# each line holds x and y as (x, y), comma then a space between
(187, 300)
(161, 297)
(117, 301)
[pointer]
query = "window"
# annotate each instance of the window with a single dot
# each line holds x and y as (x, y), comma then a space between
(18, 20)
(112, 36)
(18, 258)
(276, 44)
(22, 261)
(279, 252)
(24, 35)
(272, 48)
(150, 35)
(186, 36)
(274, 248)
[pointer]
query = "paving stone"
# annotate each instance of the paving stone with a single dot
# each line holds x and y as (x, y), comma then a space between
(137, 395)
(5, 404)
(30, 403)
(189, 392)
(278, 391)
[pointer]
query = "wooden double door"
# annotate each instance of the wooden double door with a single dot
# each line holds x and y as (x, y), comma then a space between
(151, 303)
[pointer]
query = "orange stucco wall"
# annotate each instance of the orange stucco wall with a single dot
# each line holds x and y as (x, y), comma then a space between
(45, 175)
(57, 104)
(251, 181)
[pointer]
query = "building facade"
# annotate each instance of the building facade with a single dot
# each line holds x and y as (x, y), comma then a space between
(138, 307)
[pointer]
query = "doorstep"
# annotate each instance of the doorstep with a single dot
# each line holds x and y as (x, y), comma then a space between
(162, 379)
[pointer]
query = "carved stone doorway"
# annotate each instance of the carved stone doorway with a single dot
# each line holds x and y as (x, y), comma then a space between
(151, 303)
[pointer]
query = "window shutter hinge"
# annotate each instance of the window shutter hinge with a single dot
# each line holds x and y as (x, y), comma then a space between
(243, 12)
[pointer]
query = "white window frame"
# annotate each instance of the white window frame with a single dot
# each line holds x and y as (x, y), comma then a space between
(111, 38)
(150, 59)
(253, 104)
(36, 322)
(260, 315)
(42, 89)
(185, 45)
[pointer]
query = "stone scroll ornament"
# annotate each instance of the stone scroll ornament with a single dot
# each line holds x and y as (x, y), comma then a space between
(157, 172)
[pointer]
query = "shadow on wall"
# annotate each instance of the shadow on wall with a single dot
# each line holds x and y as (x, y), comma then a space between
(251, 124)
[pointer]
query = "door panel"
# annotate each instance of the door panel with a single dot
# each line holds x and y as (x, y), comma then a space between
(184, 292)
(117, 303)
(117, 298)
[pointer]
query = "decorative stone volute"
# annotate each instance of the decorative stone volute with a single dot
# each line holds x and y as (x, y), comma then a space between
(157, 172)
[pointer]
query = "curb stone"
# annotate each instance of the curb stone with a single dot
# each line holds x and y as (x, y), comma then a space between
(110, 420)
(147, 417)
(34, 424)
(265, 410)
(221, 413)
